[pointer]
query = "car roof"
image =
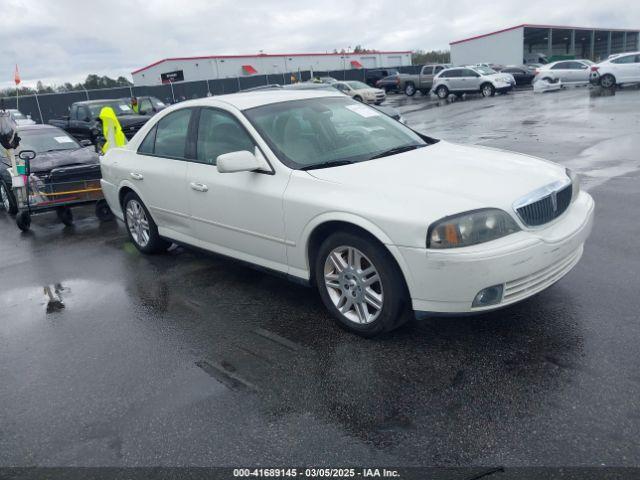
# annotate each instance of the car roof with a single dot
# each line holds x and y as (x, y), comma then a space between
(246, 100)
(94, 102)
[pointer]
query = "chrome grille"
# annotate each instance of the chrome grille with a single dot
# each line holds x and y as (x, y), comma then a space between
(547, 208)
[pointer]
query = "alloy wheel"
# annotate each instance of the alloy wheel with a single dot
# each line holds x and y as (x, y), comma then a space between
(138, 223)
(353, 284)
(486, 91)
(607, 81)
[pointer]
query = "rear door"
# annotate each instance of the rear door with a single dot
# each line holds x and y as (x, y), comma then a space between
(426, 76)
(238, 214)
(158, 173)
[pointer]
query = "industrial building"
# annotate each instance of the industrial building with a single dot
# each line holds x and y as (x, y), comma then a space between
(225, 66)
(540, 43)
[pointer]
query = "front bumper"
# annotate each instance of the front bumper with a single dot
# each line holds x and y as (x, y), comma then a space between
(524, 263)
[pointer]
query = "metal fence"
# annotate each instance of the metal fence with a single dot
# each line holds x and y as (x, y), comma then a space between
(46, 106)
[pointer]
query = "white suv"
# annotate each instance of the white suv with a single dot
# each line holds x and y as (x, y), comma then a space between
(462, 80)
(618, 69)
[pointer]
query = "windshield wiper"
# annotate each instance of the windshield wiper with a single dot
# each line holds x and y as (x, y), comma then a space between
(396, 150)
(335, 163)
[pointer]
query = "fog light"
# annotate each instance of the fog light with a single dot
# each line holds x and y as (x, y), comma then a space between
(488, 296)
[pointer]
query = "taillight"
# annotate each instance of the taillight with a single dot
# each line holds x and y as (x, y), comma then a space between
(594, 68)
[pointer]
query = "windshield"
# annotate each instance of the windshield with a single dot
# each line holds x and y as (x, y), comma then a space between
(17, 115)
(120, 108)
(357, 85)
(329, 130)
(46, 140)
(485, 70)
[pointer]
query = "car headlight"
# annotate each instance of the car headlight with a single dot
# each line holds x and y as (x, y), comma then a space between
(575, 183)
(470, 228)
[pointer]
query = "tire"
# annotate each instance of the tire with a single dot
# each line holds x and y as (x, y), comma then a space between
(23, 220)
(146, 240)
(409, 89)
(442, 92)
(65, 215)
(487, 90)
(9, 203)
(368, 310)
(608, 81)
(358, 98)
(103, 212)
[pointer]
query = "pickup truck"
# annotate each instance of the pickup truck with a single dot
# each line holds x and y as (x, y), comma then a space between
(423, 81)
(83, 122)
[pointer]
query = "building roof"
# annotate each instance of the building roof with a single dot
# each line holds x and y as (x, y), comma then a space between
(532, 25)
(264, 55)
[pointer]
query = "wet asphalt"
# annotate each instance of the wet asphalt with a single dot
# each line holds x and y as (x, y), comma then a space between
(192, 359)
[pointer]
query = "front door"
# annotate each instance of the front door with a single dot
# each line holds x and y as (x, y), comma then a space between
(238, 214)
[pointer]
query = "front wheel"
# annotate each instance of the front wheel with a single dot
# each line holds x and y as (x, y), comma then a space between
(358, 98)
(487, 90)
(360, 284)
(8, 200)
(442, 92)
(23, 220)
(142, 230)
(65, 215)
(607, 81)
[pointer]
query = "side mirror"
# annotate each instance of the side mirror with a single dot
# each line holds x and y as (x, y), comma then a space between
(27, 155)
(241, 161)
(85, 143)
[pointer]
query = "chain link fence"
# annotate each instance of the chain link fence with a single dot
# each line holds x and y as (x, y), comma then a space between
(43, 107)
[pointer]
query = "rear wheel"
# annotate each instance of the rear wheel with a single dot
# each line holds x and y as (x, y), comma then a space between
(608, 81)
(23, 220)
(442, 92)
(103, 212)
(65, 215)
(142, 230)
(8, 200)
(487, 90)
(360, 284)
(409, 89)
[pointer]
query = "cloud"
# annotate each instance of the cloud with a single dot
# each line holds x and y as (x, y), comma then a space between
(65, 40)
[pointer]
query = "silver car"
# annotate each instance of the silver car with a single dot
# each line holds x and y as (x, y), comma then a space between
(461, 80)
(569, 72)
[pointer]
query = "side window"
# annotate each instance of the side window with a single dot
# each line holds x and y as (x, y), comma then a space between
(218, 133)
(83, 113)
(145, 106)
(171, 134)
(436, 70)
(468, 73)
(427, 70)
(73, 114)
(625, 59)
(560, 66)
(147, 145)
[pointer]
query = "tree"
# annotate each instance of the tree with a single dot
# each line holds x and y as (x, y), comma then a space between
(420, 57)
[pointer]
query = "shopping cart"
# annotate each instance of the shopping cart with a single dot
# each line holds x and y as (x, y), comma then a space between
(57, 190)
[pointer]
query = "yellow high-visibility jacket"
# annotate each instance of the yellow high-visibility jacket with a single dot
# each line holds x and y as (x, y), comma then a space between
(111, 130)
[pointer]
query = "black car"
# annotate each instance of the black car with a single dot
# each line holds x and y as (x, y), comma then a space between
(54, 149)
(375, 74)
(389, 84)
(523, 75)
(83, 122)
(147, 105)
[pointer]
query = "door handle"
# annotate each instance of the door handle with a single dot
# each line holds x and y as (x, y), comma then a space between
(199, 187)
(136, 176)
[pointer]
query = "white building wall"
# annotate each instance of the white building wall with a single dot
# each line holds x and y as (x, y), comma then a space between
(218, 67)
(505, 48)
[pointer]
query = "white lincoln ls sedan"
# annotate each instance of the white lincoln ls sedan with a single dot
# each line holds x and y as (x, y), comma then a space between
(383, 220)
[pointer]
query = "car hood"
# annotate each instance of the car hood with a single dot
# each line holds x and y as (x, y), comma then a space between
(450, 178)
(128, 120)
(44, 162)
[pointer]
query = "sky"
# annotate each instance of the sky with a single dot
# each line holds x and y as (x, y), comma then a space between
(64, 40)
